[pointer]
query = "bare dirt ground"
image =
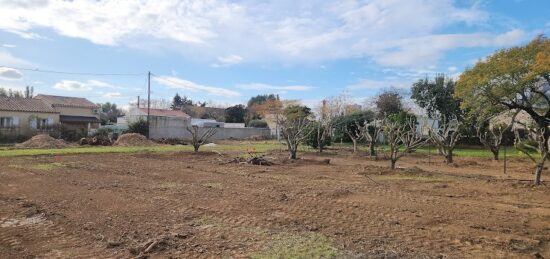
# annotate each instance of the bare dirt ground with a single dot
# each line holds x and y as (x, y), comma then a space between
(185, 205)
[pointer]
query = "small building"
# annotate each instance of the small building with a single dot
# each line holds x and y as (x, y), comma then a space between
(26, 117)
(75, 113)
(163, 123)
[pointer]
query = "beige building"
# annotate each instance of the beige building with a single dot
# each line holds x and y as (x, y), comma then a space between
(21, 116)
(74, 113)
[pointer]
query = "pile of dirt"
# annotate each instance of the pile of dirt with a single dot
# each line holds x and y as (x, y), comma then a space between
(43, 141)
(133, 140)
(257, 160)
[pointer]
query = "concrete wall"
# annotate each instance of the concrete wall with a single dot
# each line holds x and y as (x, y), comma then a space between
(173, 127)
(221, 133)
(24, 119)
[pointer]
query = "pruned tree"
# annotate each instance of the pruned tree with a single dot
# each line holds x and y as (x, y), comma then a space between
(294, 124)
(327, 112)
(491, 134)
(352, 125)
(445, 136)
(199, 138)
(355, 133)
(402, 137)
(372, 132)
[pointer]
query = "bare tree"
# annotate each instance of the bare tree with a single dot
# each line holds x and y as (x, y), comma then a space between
(327, 112)
(490, 134)
(372, 132)
(445, 136)
(402, 138)
(355, 133)
(533, 143)
(294, 127)
(200, 138)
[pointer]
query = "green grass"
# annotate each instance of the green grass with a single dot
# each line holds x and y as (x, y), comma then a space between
(244, 147)
(241, 147)
(310, 245)
(464, 151)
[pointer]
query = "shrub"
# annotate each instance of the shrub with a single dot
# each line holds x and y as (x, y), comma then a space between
(257, 124)
(102, 132)
(311, 139)
(140, 126)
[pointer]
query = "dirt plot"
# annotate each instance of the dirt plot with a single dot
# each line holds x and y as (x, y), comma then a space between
(185, 205)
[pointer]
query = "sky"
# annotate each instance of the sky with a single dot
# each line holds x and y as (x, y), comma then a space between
(224, 52)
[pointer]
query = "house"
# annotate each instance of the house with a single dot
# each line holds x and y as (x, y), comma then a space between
(77, 114)
(26, 117)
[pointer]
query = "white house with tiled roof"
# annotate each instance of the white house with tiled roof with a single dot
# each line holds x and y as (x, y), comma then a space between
(75, 113)
(23, 116)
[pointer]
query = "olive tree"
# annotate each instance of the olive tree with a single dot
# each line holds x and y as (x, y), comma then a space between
(294, 124)
(516, 79)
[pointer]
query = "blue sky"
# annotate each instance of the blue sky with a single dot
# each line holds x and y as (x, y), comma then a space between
(226, 51)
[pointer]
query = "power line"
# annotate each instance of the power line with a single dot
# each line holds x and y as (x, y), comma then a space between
(75, 73)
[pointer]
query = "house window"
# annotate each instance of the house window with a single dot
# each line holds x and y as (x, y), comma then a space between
(6, 122)
(41, 123)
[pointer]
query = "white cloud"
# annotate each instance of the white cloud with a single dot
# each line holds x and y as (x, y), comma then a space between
(393, 33)
(260, 86)
(7, 59)
(10, 73)
(71, 85)
(178, 83)
(368, 84)
(112, 95)
(8, 45)
(228, 61)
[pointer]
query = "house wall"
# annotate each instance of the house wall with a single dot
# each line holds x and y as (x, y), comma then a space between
(75, 111)
(24, 125)
(181, 131)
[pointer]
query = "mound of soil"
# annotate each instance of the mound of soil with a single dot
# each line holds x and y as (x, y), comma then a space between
(43, 141)
(133, 140)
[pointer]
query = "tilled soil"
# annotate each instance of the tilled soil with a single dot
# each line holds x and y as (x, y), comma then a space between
(185, 205)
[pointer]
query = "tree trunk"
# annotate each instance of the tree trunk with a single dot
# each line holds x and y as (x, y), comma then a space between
(196, 147)
(292, 154)
(371, 148)
(354, 145)
(495, 153)
(449, 156)
(393, 161)
(538, 170)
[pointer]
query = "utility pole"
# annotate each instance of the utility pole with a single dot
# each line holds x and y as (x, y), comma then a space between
(138, 102)
(148, 104)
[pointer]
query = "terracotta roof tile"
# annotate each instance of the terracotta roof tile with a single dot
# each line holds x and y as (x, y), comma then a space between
(65, 101)
(24, 105)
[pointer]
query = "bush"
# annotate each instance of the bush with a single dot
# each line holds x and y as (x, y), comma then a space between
(102, 132)
(11, 139)
(311, 139)
(257, 124)
(141, 127)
